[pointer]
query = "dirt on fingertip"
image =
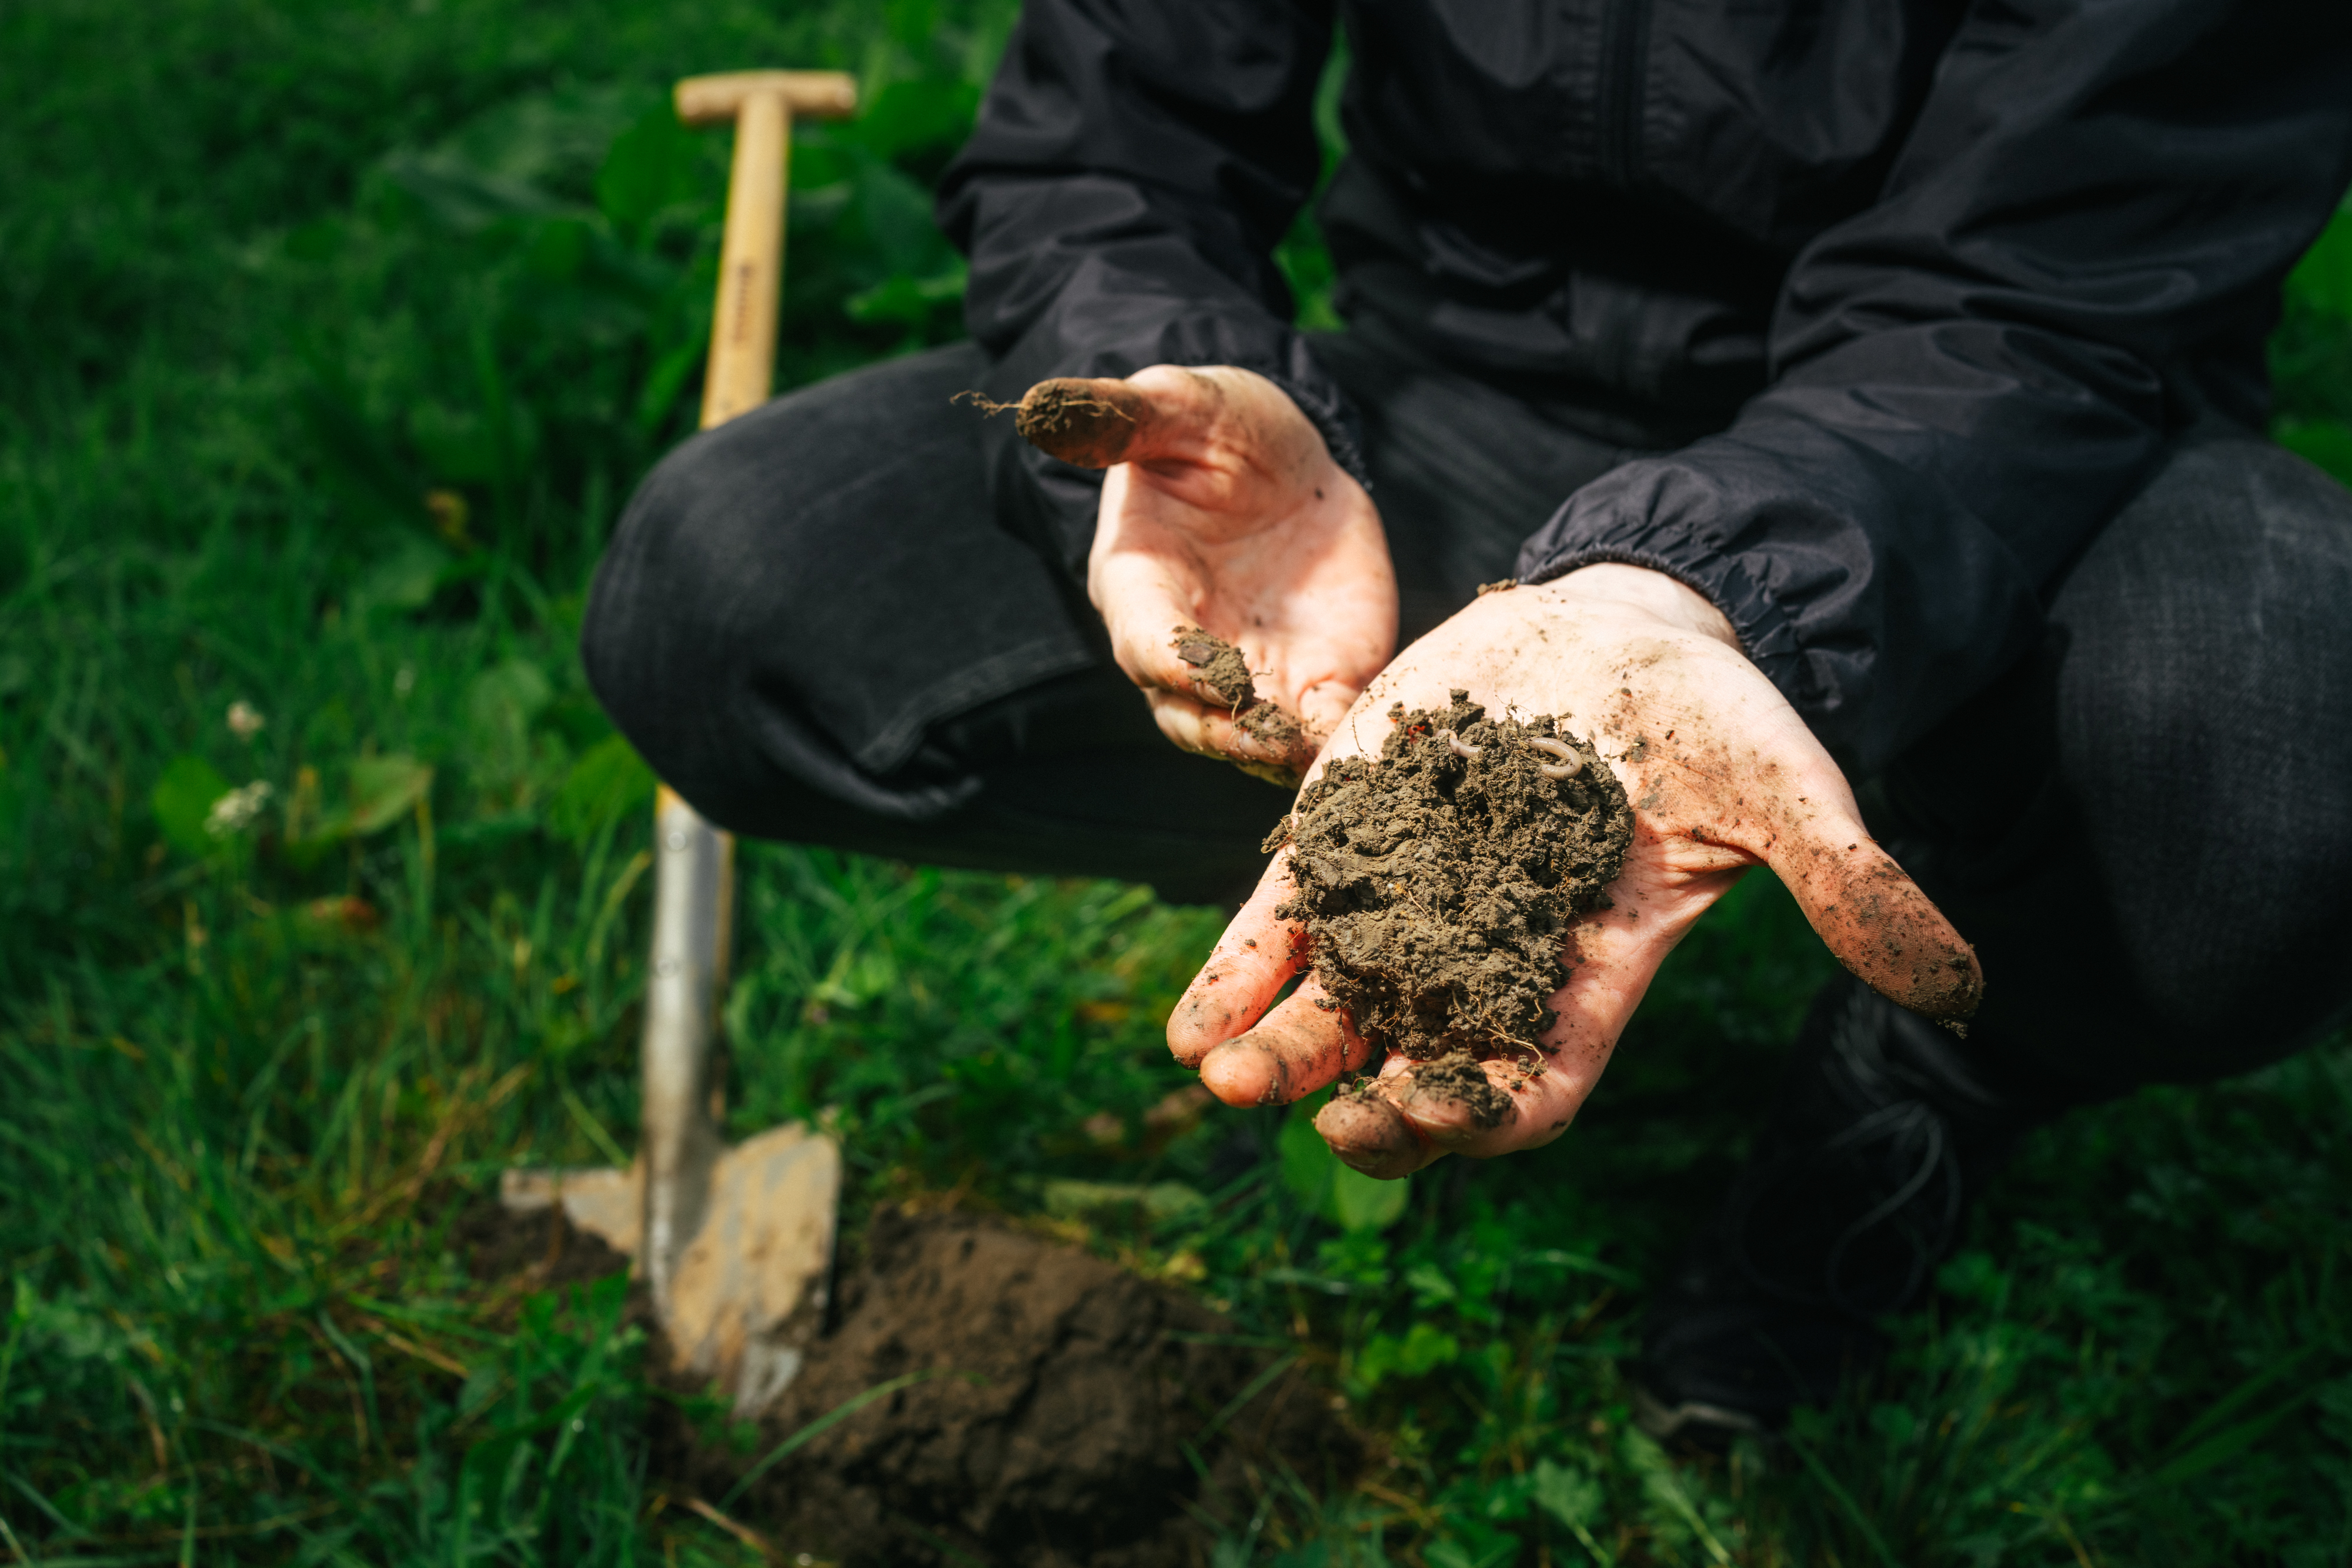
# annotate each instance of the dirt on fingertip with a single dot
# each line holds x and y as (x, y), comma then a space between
(1217, 665)
(1438, 884)
(1089, 422)
(1220, 667)
(1266, 722)
(1457, 1076)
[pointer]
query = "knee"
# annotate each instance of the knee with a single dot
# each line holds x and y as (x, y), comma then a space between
(656, 636)
(2200, 733)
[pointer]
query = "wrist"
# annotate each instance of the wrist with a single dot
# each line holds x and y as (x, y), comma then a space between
(1642, 589)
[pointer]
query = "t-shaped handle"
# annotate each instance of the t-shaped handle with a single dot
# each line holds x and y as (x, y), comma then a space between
(742, 365)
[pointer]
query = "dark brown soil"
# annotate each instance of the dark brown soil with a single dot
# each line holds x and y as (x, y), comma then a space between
(1438, 890)
(538, 1251)
(1053, 1432)
(1219, 665)
(1457, 1076)
(1089, 422)
(1052, 1429)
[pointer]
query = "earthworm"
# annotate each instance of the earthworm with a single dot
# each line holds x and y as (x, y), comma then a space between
(1569, 768)
(1570, 764)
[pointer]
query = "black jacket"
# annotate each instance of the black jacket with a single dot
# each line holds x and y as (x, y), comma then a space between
(1932, 282)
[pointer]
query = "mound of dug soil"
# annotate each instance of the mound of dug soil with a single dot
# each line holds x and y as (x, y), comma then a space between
(537, 1251)
(1051, 1430)
(1439, 884)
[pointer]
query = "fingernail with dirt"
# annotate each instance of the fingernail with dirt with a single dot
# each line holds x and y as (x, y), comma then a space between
(1246, 1071)
(1286, 1055)
(1885, 929)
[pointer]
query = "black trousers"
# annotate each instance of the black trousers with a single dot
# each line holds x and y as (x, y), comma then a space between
(812, 624)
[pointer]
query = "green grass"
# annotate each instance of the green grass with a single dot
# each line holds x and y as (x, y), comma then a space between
(273, 271)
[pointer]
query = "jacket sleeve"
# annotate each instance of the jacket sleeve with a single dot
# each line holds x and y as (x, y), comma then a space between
(1135, 164)
(2076, 256)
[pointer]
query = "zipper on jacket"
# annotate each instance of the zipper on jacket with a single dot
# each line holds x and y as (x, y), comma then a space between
(1624, 48)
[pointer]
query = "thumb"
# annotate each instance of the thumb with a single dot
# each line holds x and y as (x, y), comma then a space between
(1160, 412)
(1091, 421)
(1169, 413)
(1877, 920)
(1322, 705)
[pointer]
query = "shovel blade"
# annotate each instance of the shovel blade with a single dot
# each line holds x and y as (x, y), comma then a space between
(746, 1291)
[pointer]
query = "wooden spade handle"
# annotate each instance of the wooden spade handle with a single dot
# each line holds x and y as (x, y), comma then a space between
(742, 365)
(814, 95)
(751, 264)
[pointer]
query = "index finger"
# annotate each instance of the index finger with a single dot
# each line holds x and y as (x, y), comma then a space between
(1245, 971)
(1270, 747)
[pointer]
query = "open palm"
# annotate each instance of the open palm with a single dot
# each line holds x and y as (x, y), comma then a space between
(1223, 509)
(1723, 776)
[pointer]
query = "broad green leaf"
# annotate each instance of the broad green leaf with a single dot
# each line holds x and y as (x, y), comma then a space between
(2325, 442)
(645, 170)
(1570, 1496)
(1315, 1176)
(666, 379)
(405, 579)
(910, 23)
(2322, 280)
(382, 791)
(558, 249)
(909, 301)
(1429, 1286)
(1360, 1202)
(1306, 1160)
(915, 116)
(1421, 1351)
(896, 212)
(509, 693)
(1471, 1546)
(608, 781)
(183, 801)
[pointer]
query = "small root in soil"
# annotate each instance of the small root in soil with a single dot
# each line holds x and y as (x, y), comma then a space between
(1086, 421)
(1217, 665)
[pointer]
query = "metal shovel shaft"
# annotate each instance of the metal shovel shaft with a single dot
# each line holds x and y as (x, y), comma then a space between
(694, 883)
(694, 876)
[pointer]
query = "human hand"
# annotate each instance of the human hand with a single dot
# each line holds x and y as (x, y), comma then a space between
(1222, 510)
(1722, 775)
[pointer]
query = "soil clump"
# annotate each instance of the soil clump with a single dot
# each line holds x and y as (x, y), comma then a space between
(1439, 884)
(1220, 667)
(1085, 421)
(1054, 1397)
(539, 1251)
